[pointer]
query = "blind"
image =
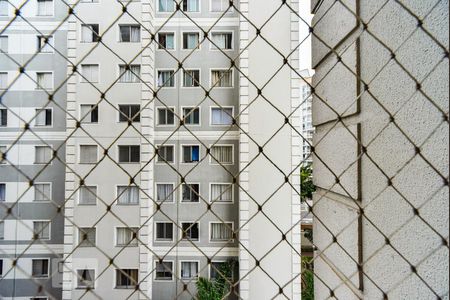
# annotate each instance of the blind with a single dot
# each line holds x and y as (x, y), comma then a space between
(88, 195)
(42, 192)
(128, 195)
(222, 154)
(221, 231)
(164, 192)
(221, 193)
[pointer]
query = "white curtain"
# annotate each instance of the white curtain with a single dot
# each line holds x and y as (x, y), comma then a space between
(88, 154)
(130, 75)
(135, 34)
(219, 5)
(42, 192)
(88, 195)
(125, 236)
(90, 73)
(45, 7)
(44, 80)
(222, 78)
(221, 231)
(220, 40)
(222, 154)
(128, 195)
(165, 78)
(192, 40)
(86, 278)
(221, 193)
(164, 192)
(170, 41)
(43, 154)
(39, 120)
(189, 269)
(222, 116)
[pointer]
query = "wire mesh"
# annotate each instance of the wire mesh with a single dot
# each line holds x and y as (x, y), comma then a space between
(92, 210)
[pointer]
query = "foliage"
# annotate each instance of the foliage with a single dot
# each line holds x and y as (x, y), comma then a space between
(309, 234)
(216, 289)
(307, 185)
(307, 279)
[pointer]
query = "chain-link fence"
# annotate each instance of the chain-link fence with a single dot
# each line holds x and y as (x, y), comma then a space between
(160, 150)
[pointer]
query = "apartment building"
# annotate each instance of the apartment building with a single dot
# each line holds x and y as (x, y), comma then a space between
(31, 182)
(306, 111)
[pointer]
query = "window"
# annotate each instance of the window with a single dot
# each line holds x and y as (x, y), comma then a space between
(130, 33)
(129, 112)
(222, 155)
(164, 270)
(3, 117)
(190, 193)
(191, 154)
(2, 192)
(126, 278)
(43, 117)
(191, 78)
(166, 5)
(88, 154)
(45, 44)
(166, 78)
(1, 267)
(2, 230)
(87, 195)
(219, 5)
(166, 116)
(87, 236)
(39, 267)
(222, 40)
(4, 7)
(221, 232)
(44, 7)
(90, 73)
(164, 192)
(191, 5)
(3, 80)
(126, 236)
(89, 113)
(191, 115)
(128, 195)
(222, 116)
(189, 269)
(164, 231)
(44, 80)
(130, 75)
(222, 78)
(85, 278)
(4, 43)
(89, 33)
(166, 40)
(2, 154)
(166, 154)
(42, 192)
(221, 193)
(216, 270)
(190, 231)
(43, 154)
(191, 40)
(41, 229)
(129, 154)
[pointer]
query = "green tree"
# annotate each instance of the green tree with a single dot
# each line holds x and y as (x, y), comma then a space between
(307, 279)
(217, 289)
(307, 185)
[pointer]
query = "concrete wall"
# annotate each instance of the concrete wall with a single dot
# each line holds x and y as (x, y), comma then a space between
(386, 211)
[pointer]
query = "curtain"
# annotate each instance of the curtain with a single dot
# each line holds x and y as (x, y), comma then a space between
(192, 5)
(126, 277)
(42, 192)
(43, 46)
(222, 154)
(128, 195)
(88, 154)
(43, 154)
(166, 5)
(125, 236)
(130, 75)
(169, 41)
(164, 192)
(135, 34)
(45, 7)
(40, 117)
(2, 192)
(165, 79)
(189, 269)
(90, 73)
(192, 40)
(88, 195)
(86, 278)
(221, 231)
(219, 5)
(43, 80)
(190, 78)
(221, 193)
(220, 40)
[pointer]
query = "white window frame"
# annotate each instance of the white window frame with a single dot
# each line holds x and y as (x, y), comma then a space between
(199, 115)
(115, 278)
(174, 78)
(92, 32)
(158, 121)
(79, 154)
(129, 162)
(199, 78)
(173, 271)
(164, 12)
(34, 192)
(45, 16)
(119, 38)
(191, 279)
(182, 152)
(7, 80)
(213, 161)
(192, 12)
(221, 202)
(199, 193)
(49, 229)
(220, 241)
(156, 233)
(127, 186)
(50, 44)
(120, 75)
(7, 9)
(174, 155)
(134, 243)
(174, 193)
(83, 80)
(52, 81)
(86, 287)
(221, 87)
(48, 267)
(79, 237)
(88, 186)
(51, 120)
(200, 38)
(221, 108)
(186, 239)
(219, 12)
(174, 40)
(51, 155)
(89, 116)
(119, 113)
(213, 48)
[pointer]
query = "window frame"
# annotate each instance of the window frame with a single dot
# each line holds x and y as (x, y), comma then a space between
(86, 287)
(173, 152)
(37, 88)
(199, 193)
(129, 110)
(156, 239)
(48, 267)
(34, 194)
(80, 242)
(174, 41)
(49, 229)
(7, 80)
(213, 48)
(5, 184)
(183, 77)
(158, 121)
(129, 155)
(212, 162)
(92, 32)
(117, 196)
(52, 9)
(182, 146)
(51, 45)
(199, 2)
(221, 202)
(173, 272)
(7, 39)
(83, 80)
(117, 271)
(182, 239)
(120, 75)
(174, 78)
(218, 261)
(174, 192)
(219, 12)
(232, 240)
(79, 194)
(7, 9)
(190, 279)
(50, 162)
(119, 40)
(221, 87)
(3, 121)
(182, 108)
(200, 38)
(134, 242)
(162, 11)
(211, 108)
(89, 115)
(51, 118)
(79, 154)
